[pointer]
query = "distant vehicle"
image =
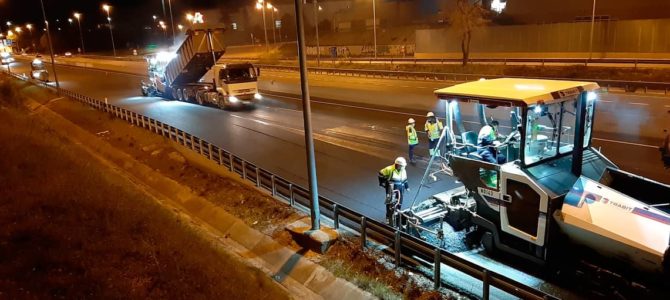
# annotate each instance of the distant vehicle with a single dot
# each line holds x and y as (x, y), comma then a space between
(6, 58)
(68, 54)
(180, 75)
(38, 70)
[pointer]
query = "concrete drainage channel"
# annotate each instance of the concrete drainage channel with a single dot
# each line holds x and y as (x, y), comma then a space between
(406, 250)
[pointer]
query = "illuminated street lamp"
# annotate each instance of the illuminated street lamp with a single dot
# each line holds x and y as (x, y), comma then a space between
(260, 5)
(180, 27)
(317, 7)
(69, 20)
(189, 17)
(154, 17)
(107, 8)
(81, 35)
(272, 10)
(30, 30)
(18, 30)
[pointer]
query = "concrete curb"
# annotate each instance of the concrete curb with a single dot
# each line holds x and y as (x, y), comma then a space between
(303, 278)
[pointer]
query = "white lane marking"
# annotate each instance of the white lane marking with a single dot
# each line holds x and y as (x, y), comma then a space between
(626, 143)
(606, 101)
(639, 103)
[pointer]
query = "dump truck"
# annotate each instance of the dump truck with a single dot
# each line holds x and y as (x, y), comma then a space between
(182, 75)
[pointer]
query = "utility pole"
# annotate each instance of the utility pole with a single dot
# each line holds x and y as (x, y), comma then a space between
(315, 214)
(316, 26)
(171, 21)
(593, 19)
(374, 24)
(51, 48)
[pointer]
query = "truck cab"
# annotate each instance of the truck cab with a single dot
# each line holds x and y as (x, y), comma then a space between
(237, 83)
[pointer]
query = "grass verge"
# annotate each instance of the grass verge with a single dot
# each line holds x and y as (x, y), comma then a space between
(69, 228)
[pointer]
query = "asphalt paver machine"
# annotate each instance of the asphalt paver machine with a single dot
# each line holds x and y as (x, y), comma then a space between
(554, 189)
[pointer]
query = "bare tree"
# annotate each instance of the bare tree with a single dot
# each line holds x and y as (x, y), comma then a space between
(464, 20)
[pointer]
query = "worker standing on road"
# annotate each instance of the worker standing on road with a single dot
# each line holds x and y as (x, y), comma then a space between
(412, 138)
(434, 131)
(394, 178)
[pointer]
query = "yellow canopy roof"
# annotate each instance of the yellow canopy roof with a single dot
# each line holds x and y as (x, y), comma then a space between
(515, 91)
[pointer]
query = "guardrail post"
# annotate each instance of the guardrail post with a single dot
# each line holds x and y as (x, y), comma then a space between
(200, 146)
(290, 195)
(397, 248)
(244, 169)
(258, 177)
(183, 135)
(220, 156)
(230, 160)
(437, 265)
(364, 226)
(272, 185)
(209, 150)
(485, 282)
(192, 143)
(144, 124)
(336, 216)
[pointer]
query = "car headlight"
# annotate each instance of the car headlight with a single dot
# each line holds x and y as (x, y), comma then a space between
(233, 99)
(36, 74)
(258, 96)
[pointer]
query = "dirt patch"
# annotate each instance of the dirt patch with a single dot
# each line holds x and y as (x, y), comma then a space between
(69, 228)
(257, 209)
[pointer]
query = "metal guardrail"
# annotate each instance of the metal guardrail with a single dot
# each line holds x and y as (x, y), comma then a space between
(405, 249)
(635, 62)
(628, 86)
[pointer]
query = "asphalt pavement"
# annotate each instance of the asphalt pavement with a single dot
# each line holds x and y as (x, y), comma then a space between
(359, 133)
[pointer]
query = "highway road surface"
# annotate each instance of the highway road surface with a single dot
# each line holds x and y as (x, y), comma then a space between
(360, 132)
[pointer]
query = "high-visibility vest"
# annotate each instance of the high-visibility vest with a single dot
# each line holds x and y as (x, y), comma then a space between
(393, 174)
(412, 137)
(434, 129)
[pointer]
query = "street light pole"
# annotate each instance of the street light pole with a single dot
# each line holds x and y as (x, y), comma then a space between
(81, 35)
(51, 48)
(171, 21)
(316, 26)
(109, 20)
(374, 24)
(315, 214)
(265, 31)
(274, 24)
(32, 41)
(593, 19)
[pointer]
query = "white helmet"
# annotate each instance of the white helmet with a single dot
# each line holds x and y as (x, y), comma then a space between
(401, 161)
(411, 121)
(430, 114)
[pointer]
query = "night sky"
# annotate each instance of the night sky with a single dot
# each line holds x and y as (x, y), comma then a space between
(22, 11)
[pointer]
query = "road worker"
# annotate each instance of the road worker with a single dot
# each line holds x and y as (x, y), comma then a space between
(412, 138)
(433, 130)
(487, 141)
(394, 180)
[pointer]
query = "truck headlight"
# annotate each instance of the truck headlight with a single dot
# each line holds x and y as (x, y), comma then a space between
(233, 99)
(258, 96)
